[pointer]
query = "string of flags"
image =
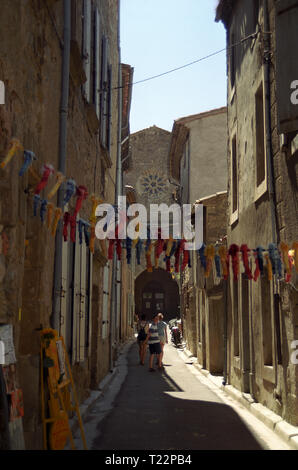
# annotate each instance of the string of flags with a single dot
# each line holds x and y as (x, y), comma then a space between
(46, 209)
(271, 261)
(257, 262)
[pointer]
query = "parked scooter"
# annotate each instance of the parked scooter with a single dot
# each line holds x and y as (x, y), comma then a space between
(175, 335)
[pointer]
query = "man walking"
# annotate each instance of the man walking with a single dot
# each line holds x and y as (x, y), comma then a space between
(154, 343)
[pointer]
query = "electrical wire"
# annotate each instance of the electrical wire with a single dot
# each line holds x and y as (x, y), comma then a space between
(251, 36)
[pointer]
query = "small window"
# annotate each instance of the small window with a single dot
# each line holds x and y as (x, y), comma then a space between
(147, 295)
(232, 61)
(260, 137)
(234, 180)
(159, 295)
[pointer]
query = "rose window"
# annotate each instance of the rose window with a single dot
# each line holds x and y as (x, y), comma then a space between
(153, 184)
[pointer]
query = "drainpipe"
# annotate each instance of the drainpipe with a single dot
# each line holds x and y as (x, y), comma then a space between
(55, 319)
(270, 170)
(270, 167)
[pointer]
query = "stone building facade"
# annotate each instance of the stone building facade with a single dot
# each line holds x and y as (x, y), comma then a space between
(262, 197)
(197, 159)
(71, 292)
(198, 139)
(204, 296)
(147, 178)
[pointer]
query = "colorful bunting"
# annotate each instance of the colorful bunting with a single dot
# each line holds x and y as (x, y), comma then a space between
(234, 253)
(244, 251)
(224, 259)
(15, 145)
(29, 156)
(209, 253)
(69, 191)
(217, 265)
(60, 178)
(47, 170)
(280, 261)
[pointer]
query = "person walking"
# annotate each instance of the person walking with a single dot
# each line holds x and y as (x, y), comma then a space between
(154, 343)
(162, 333)
(142, 329)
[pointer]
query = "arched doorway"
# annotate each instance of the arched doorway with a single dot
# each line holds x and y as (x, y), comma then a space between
(157, 292)
(153, 298)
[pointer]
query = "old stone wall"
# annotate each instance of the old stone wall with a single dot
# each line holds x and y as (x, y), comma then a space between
(148, 175)
(273, 382)
(208, 137)
(30, 66)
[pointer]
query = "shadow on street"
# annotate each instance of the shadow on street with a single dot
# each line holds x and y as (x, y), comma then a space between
(170, 410)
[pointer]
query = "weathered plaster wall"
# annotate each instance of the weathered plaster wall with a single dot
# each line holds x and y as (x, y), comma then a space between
(30, 66)
(272, 385)
(208, 143)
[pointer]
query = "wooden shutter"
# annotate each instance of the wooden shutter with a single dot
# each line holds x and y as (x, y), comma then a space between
(105, 301)
(286, 63)
(89, 300)
(118, 278)
(64, 290)
(96, 62)
(87, 47)
(104, 92)
(82, 316)
(109, 111)
(76, 301)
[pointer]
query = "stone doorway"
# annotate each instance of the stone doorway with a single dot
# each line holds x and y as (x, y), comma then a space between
(157, 292)
(153, 299)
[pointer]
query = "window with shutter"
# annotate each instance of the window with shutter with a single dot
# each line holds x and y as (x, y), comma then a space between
(232, 57)
(286, 64)
(76, 301)
(105, 301)
(87, 47)
(104, 92)
(64, 290)
(96, 91)
(118, 277)
(82, 281)
(82, 307)
(88, 329)
(109, 110)
(66, 303)
(233, 181)
(260, 143)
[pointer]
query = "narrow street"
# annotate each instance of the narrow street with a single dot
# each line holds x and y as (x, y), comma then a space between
(170, 410)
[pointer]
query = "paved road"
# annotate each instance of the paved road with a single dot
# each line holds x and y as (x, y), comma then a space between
(168, 410)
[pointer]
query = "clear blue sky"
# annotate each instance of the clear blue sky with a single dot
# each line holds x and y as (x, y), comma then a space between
(159, 35)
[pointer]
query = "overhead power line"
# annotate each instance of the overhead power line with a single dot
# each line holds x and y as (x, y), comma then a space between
(251, 36)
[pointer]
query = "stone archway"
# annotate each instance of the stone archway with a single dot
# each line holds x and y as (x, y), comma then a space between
(157, 292)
